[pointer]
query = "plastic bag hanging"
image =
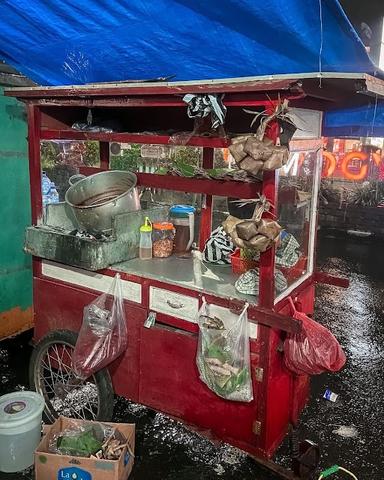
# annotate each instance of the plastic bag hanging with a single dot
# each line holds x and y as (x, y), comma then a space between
(103, 334)
(223, 357)
(312, 351)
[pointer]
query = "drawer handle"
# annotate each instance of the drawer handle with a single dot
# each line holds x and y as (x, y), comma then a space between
(175, 305)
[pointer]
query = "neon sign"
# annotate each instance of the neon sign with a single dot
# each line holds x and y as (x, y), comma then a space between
(330, 163)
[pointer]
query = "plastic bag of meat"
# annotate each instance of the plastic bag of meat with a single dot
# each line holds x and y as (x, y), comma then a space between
(312, 351)
(103, 334)
(223, 357)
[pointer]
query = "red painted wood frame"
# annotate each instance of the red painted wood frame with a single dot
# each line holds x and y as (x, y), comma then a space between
(206, 212)
(273, 386)
(33, 114)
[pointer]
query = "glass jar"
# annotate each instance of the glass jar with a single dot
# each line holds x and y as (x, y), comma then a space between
(162, 239)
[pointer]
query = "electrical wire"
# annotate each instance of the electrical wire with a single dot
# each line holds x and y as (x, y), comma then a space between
(321, 41)
(334, 469)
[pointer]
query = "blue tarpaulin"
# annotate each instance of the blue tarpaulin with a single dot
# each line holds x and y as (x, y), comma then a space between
(367, 121)
(57, 42)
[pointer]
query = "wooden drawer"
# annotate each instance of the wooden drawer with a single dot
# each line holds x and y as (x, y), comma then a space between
(173, 304)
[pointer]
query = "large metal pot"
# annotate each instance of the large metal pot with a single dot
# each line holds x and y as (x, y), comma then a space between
(97, 199)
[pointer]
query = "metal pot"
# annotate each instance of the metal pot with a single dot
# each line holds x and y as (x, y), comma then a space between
(97, 199)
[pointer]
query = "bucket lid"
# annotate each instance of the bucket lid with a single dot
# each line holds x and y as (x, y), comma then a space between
(20, 407)
(182, 210)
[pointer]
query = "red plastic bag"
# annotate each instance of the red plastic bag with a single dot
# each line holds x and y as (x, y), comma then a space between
(103, 334)
(314, 350)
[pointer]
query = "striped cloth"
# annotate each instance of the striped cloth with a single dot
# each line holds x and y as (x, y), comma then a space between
(287, 254)
(248, 282)
(218, 248)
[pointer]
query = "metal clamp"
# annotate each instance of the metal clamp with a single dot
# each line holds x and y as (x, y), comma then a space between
(150, 321)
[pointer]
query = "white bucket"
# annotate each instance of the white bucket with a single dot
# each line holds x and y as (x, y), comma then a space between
(20, 429)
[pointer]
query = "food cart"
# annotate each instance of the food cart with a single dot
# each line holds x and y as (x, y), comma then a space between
(158, 369)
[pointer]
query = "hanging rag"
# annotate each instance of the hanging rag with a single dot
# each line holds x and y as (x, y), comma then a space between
(200, 106)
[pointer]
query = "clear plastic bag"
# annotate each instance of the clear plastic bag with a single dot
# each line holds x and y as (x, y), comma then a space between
(103, 334)
(312, 351)
(223, 357)
(88, 439)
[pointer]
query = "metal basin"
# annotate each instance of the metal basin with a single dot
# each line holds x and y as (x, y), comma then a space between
(97, 199)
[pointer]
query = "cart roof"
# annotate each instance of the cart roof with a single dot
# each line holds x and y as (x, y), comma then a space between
(63, 43)
(321, 91)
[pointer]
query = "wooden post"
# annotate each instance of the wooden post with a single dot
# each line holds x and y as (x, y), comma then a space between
(206, 213)
(104, 155)
(34, 121)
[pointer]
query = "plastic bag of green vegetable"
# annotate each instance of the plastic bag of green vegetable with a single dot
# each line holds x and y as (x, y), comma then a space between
(223, 357)
(84, 440)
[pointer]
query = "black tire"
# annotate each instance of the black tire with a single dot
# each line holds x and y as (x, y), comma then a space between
(101, 380)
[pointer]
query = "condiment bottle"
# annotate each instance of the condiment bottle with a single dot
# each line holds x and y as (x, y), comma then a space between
(145, 246)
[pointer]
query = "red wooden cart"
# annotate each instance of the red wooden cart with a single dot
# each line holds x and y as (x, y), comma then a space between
(158, 368)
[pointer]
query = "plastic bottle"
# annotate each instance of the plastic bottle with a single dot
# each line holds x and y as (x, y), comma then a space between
(54, 194)
(45, 184)
(46, 200)
(145, 246)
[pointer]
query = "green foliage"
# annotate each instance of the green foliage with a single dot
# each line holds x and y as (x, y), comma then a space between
(92, 154)
(367, 194)
(129, 160)
(186, 155)
(80, 153)
(48, 152)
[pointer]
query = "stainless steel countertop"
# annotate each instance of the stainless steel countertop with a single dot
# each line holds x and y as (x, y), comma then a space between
(190, 273)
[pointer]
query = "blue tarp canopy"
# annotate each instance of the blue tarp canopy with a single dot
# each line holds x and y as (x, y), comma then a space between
(74, 42)
(367, 121)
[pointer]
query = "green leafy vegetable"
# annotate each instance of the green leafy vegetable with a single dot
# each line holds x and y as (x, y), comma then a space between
(84, 444)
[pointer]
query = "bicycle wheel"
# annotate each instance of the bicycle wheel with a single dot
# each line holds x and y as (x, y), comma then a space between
(51, 374)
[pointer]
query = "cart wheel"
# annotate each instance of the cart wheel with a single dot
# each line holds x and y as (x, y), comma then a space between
(305, 464)
(52, 376)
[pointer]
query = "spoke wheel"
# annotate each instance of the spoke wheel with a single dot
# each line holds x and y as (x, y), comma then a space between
(52, 375)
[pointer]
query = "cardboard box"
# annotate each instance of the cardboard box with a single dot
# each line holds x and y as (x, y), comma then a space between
(51, 466)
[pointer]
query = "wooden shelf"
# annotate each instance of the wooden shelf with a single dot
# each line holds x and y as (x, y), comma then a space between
(223, 188)
(212, 142)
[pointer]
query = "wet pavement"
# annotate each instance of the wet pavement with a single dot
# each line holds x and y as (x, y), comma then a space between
(349, 431)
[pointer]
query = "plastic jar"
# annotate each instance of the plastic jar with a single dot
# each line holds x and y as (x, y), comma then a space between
(183, 217)
(162, 239)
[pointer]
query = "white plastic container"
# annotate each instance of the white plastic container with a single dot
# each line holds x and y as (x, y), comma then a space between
(20, 429)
